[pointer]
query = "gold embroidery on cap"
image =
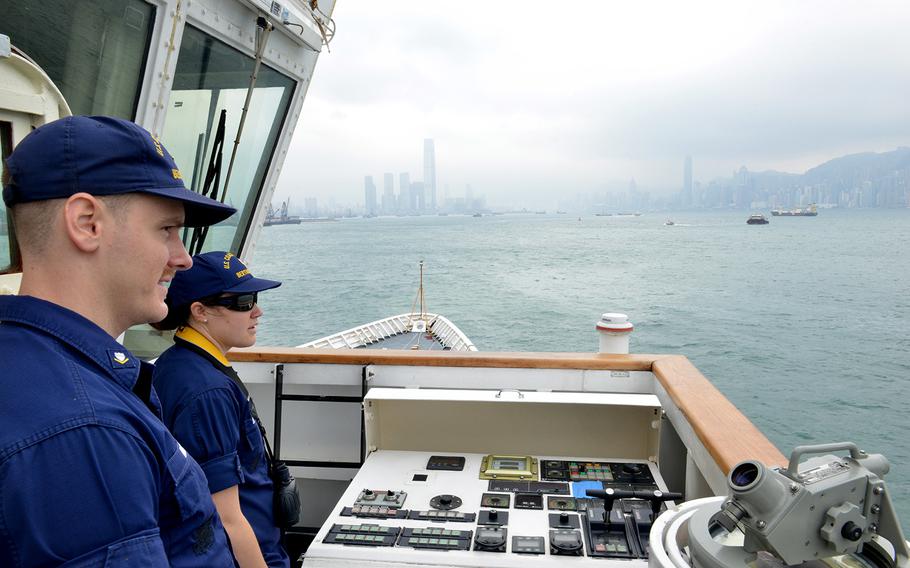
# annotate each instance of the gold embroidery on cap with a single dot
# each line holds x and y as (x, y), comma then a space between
(158, 147)
(176, 173)
(227, 260)
(243, 273)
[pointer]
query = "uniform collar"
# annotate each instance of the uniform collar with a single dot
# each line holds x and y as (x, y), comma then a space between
(74, 330)
(202, 342)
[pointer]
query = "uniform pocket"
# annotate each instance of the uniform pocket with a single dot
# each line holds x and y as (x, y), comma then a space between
(190, 487)
(194, 502)
(145, 550)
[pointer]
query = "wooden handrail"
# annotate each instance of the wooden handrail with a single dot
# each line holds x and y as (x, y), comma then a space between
(726, 433)
(582, 361)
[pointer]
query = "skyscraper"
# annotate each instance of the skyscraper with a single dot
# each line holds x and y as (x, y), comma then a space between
(388, 193)
(429, 173)
(369, 196)
(687, 182)
(418, 196)
(404, 191)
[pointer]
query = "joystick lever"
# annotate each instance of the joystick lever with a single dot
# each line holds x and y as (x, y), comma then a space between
(656, 497)
(609, 496)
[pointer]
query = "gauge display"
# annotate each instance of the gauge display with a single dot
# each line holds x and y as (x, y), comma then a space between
(508, 467)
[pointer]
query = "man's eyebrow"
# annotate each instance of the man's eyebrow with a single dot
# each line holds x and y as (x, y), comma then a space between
(177, 220)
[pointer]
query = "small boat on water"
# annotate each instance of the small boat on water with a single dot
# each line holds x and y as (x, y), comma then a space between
(669, 222)
(757, 219)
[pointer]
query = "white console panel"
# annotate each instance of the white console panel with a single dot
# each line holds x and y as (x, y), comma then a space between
(405, 471)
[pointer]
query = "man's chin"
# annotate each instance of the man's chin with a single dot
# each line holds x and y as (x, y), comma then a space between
(158, 314)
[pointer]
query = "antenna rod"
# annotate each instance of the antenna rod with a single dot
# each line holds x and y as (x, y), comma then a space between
(423, 311)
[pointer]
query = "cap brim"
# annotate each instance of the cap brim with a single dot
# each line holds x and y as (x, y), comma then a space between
(201, 211)
(253, 285)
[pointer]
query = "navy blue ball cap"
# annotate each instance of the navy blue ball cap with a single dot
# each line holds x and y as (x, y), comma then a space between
(101, 155)
(214, 273)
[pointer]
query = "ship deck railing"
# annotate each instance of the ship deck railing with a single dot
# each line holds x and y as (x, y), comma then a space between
(373, 333)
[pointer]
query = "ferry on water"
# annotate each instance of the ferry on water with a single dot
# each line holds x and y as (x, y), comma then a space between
(757, 219)
(810, 211)
(436, 456)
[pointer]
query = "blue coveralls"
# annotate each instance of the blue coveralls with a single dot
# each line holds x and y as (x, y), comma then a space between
(89, 476)
(212, 418)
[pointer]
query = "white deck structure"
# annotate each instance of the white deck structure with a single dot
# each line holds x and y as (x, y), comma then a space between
(404, 331)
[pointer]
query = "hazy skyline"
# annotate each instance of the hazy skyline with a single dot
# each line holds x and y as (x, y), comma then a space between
(526, 102)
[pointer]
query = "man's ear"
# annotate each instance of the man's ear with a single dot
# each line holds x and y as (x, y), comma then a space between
(84, 218)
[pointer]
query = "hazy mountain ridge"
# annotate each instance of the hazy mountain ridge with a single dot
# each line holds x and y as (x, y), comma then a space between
(859, 167)
(866, 179)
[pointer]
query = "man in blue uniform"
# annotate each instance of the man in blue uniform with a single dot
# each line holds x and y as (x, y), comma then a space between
(89, 476)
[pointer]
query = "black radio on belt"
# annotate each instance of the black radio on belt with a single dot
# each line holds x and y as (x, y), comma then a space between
(287, 499)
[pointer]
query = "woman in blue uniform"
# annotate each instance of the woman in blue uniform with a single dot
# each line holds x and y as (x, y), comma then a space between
(208, 409)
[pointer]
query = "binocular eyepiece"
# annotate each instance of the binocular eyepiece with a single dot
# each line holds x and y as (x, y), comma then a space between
(745, 475)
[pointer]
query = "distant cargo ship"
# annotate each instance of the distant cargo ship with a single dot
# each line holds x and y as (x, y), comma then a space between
(810, 211)
(281, 216)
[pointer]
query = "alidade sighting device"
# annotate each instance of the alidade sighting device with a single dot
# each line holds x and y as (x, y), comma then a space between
(829, 508)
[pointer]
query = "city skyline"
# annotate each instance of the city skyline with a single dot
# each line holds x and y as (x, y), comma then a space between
(860, 180)
(771, 85)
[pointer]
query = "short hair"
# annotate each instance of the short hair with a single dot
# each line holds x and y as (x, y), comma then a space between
(32, 221)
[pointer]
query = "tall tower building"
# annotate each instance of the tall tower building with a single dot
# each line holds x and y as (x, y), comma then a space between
(369, 195)
(404, 191)
(418, 197)
(687, 182)
(388, 193)
(429, 173)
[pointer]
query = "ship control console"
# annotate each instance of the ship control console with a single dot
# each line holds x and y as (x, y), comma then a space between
(437, 509)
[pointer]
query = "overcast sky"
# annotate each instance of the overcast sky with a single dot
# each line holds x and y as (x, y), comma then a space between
(529, 101)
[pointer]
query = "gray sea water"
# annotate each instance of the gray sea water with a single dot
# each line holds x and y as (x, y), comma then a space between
(804, 324)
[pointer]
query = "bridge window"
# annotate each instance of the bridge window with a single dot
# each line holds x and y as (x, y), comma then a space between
(212, 76)
(94, 52)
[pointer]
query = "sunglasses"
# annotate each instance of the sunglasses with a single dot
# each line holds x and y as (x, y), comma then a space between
(238, 303)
